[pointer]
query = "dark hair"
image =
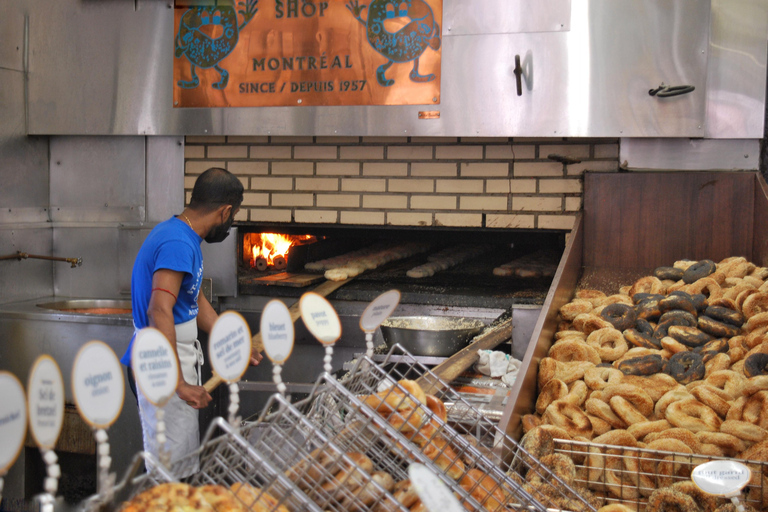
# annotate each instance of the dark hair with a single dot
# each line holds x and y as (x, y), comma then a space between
(214, 188)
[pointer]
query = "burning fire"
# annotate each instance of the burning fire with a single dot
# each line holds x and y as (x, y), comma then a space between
(273, 248)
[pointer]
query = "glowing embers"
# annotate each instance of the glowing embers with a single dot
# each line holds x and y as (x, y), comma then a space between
(264, 250)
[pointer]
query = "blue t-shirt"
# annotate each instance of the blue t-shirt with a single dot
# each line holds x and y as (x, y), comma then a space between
(171, 245)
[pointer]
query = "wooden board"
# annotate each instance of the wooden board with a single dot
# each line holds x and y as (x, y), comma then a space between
(289, 279)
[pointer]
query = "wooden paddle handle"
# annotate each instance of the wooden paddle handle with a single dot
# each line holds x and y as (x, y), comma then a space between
(257, 345)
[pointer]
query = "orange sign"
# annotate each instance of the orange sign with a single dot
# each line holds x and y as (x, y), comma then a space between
(307, 52)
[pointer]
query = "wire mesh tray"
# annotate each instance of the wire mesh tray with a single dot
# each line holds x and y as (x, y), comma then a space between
(335, 477)
(468, 432)
(629, 475)
(224, 458)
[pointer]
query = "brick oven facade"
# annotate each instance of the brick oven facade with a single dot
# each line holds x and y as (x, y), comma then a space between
(410, 181)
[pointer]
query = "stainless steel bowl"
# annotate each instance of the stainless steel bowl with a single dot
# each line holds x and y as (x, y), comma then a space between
(438, 336)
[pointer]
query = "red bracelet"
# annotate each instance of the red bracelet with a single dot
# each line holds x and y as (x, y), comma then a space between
(166, 291)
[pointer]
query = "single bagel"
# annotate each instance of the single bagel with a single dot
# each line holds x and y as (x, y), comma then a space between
(698, 271)
(575, 308)
(648, 309)
(621, 316)
(756, 321)
(689, 336)
(756, 364)
(553, 390)
(569, 417)
(587, 323)
(677, 302)
(643, 365)
(648, 284)
(568, 351)
(699, 301)
(710, 396)
(672, 318)
(705, 286)
(672, 273)
(717, 329)
(633, 394)
(704, 500)
(609, 343)
(730, 316)
(685, 367)
(693, 415)
(644, 326)
(712, 348)
(755, 304)
(639, 339)
(639, 297)
(599, 378)
(667, 499)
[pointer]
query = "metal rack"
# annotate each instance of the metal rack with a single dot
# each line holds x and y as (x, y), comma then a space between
(331, 470)
(476, 439)
(629, 475)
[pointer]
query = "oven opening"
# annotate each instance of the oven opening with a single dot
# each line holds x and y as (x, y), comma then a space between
(270, 251)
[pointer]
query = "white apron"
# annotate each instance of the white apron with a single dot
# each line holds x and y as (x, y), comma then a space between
(181, 421)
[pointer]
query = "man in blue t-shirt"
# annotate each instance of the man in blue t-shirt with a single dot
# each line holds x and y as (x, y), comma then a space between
(165, 294)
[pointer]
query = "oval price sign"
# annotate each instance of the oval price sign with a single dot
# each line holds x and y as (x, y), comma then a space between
(432, 491)
(721, 477)
(98, 384)
(154, 365)
(320, 318)
(230, 346)
(13, 419)
(379, 310)
(277, 331)
(46, 402)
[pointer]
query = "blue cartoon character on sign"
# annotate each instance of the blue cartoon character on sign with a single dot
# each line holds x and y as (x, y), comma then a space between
(207, 34)
(404, 44)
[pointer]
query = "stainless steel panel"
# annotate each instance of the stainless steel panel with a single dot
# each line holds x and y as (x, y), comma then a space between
(97, 179)
(505, 16)
(129, 240)
(737, 69)
(165, 177)
(25, 279)
(220, 265)
(12, 43)
(691, 154)
(590, 81)
(98, 248)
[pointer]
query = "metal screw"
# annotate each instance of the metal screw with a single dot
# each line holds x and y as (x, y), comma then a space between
(434, 99)
(298, 101)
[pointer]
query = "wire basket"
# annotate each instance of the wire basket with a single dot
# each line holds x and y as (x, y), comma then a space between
(224, 458)
(476, 439)
(337, 477)
(629, 475)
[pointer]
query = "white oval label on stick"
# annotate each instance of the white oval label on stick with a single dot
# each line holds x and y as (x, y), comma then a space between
(379, 310)
(229, 346)
(13, 419)
(154, 366)
(46, 402)
(320, 318)
(721, 477)
(277, 331)
(98, 384)
(433, 492)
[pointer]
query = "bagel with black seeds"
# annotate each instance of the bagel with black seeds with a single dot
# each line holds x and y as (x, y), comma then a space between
(717, 329)
(685, 367)
(641, 339)
(756, 364)
(621, 316)
(644, 327)
(642, 365)
(671, 273)
(689, 336)
(725, 315)
(677, 302)
(639, 297)
(699, 270)
(712, 348)
(671, 319)
(648, 309)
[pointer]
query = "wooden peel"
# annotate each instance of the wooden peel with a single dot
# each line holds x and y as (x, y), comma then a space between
(257, 345)
(499, 331)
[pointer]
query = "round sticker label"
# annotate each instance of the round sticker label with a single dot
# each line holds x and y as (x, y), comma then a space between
(277, 331)
(230, 346)
(721, 477)
(13, 419)
(154, 365)
(98, 384)
(379, 310)
(434, 494)
(320, 318)
(46, 402)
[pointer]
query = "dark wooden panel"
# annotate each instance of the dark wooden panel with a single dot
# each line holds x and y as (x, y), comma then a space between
(760, 242)
(649, 219)
(522, 397)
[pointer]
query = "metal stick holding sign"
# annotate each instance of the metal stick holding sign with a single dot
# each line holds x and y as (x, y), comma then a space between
(376, 312)
(99, 390)
(278, 336)
(13, 422)
(230, 352)
(724, 478)
(323, 322)
(46, 417)
(156, 370)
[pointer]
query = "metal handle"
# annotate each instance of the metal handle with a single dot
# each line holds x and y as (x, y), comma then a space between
(518, 75)
(665, 91)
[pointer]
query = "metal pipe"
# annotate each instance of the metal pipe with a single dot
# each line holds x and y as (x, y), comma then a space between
(74, 262)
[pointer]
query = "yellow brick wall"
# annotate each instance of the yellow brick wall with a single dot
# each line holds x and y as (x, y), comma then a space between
(405, 181)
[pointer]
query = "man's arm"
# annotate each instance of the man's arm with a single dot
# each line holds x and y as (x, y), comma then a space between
(165, 288)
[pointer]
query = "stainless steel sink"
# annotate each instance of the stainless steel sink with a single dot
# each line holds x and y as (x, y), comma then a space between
(90, 306)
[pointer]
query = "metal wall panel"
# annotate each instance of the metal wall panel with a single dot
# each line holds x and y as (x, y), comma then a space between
(96, 277)
(12, 43)
(97, 179)
(505, 16)
(165, 177)
(25, 279)
(691, 154)
(591, 80)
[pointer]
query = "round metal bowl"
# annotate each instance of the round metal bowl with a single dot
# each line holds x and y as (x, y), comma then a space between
(438, 336)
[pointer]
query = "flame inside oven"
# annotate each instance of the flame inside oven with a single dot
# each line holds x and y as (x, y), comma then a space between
(266, 250)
